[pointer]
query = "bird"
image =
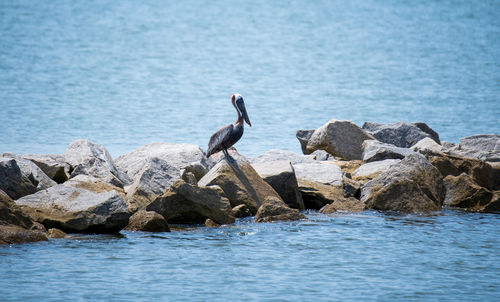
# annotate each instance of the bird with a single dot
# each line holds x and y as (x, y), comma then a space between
(228, 135)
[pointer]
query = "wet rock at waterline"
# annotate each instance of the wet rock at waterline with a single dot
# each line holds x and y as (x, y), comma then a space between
(276, 212)
(147, 221)
(463, 192)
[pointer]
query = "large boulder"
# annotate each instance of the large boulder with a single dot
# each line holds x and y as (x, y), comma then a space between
(15, 226)
(412, 185)
(325, 172)
(484, 147)
(184, 203)
(374, 150)
(369, 171)
(484, 174)
(87, 158)
(281, 176)
(273, 212)
(81, 204)
(20, 177)
(463, 192)
(240, 183)
(53, 165)
(280, 155)
(400, 134)
(428, 147)
(147, 221)
(153, 179)
(340, 138)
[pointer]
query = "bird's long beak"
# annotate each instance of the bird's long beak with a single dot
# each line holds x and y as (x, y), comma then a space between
(245, 114)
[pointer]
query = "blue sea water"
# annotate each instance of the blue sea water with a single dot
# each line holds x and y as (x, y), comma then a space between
(126, 73)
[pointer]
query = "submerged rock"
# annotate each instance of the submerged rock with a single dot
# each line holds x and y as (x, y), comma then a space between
(340, 138)
(147, 221)
(78, 205)
(281, 176)
(240, 183)
(374, 150)
(183, 203)
(273, 212)
(20, 177)
(400, 134)
(412, 185)
(87, 158)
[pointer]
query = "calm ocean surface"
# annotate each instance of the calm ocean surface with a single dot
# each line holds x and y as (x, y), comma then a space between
(123, 74)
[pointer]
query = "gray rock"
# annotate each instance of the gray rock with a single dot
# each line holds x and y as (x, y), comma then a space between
(400, 134)
(484, 147)
(53, 165)
(87, 158)
(183, 203)
(240, 183)
(281, 176)
(274, 212)
(350, 187)
(322, 172)
(280, 155)
(153, 179)
(78, 206)
(176, 155)
(369, 171)
(428, 147)
(374, 150)
(339, 138)
(20, 177)
(147, 221)
(303, 136)
(412, 185)
(321, 155)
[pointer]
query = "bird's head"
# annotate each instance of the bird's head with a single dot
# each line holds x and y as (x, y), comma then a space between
(239, 104)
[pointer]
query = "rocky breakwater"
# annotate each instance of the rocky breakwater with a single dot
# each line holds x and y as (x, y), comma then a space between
(405, 167)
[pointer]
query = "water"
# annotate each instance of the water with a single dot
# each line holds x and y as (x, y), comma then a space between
(126, 74)
(347, 257)
(123, 74)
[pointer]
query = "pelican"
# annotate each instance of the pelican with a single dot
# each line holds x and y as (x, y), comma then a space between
(227, 136)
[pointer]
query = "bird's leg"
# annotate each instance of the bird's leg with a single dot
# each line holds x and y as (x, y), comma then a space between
(225, 153)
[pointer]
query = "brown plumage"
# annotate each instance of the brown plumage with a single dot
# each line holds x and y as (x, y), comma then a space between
(228, 135)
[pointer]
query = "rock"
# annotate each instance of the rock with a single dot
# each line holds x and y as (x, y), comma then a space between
(303, 136)
(240, 183)
(37, 226)
(147, 221)
(281, 176)
(317, 195)
(188, 177)
(412, 185)
(321, 155)
(400, 134)
(339, 138)
(153, 179)
(197, 169)
(374, 150)
(484, 147)
(349, 204)
(273, 212)
(351, 188)
(428, 147)
(15, 225)
(183, 203)
(10, 234)
(369, 171)
(494, 205)
(78, 205)
(322, 172)
(18, 179)
(280, 155)
(91, 159)
(211, 224)
(463, 192)
(176, 155)
(56, 233)
(482, 173)
(241, 211)
(53, 165)
(347, 167)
